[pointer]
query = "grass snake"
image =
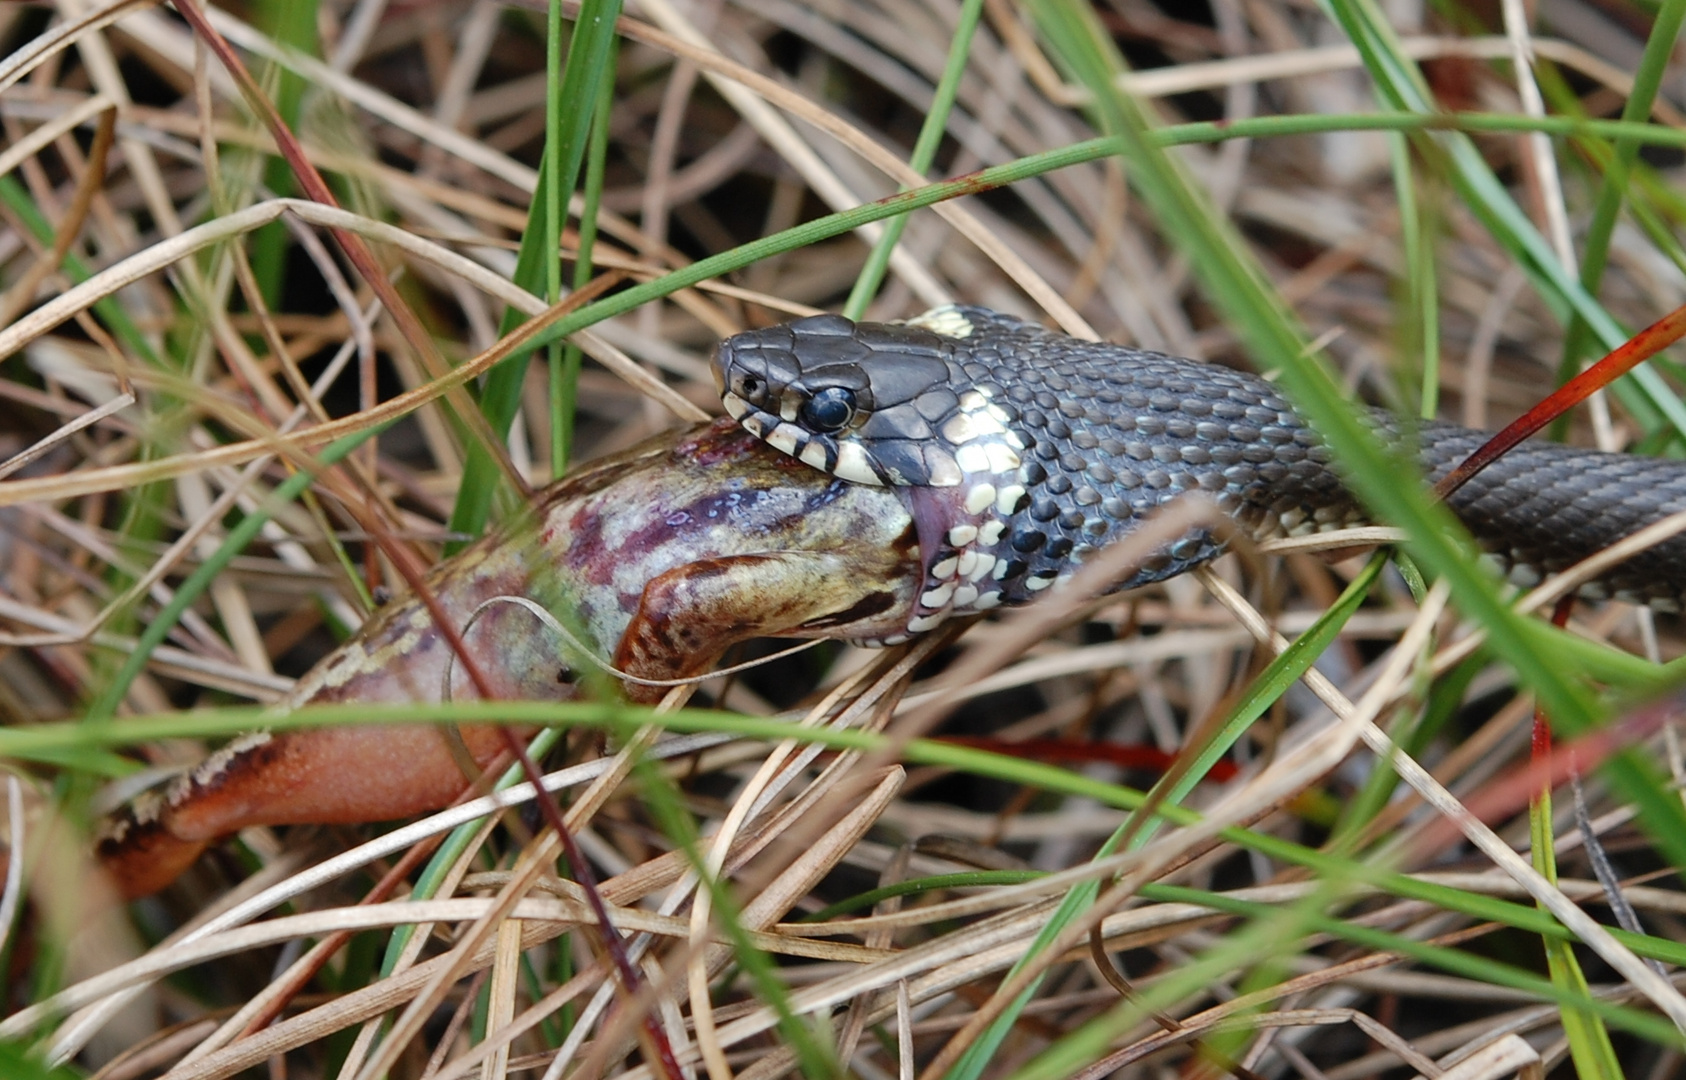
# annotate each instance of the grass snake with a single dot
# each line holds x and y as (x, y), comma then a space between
(1021, 451)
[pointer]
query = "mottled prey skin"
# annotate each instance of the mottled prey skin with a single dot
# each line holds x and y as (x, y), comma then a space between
(1026, 450)
(662, 558)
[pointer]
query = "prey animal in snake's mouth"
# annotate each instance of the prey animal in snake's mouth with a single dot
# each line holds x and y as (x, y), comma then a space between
(659, 560)
(1026, 450)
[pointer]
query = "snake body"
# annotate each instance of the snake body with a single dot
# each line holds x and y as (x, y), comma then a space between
(1022, 451)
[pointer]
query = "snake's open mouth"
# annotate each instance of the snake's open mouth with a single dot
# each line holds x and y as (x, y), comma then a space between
(842, 458)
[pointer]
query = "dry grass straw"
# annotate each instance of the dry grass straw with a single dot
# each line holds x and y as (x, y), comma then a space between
(119, 472)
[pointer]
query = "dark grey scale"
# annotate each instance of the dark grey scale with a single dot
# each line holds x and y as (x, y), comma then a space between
(1188, 548)
(1026, 540)
(902, 422)
(1210, 481)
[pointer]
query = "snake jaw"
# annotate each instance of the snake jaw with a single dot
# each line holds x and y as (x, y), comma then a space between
(783, 437)
(744, 413)
(854, 463)
(959, 537)
(842, 458)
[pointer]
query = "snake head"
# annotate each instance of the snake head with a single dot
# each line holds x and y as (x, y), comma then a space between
(856, 400)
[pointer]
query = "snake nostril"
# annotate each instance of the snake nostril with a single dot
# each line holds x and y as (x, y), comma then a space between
(750, 387)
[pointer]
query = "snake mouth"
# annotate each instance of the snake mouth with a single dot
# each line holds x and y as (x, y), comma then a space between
(783, 437)
(844, 458)
(958, 549)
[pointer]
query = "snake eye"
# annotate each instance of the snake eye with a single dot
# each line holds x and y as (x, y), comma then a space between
(828, 410)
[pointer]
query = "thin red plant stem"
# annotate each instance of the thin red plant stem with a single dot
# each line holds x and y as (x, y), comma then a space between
(1504, 797)
(1636, 350)
(1639, 348)
(1540, 743)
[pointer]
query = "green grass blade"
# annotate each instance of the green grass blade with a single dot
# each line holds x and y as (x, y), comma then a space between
(1282, 672)
(1266, 937)
(1238, 287)
(1419, 332)
(587, 68)
(1589, 1040)
(291, 23)
(37, 742)
(565, 374)
(1400, 86)
(110, 312)
(815, 1056)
